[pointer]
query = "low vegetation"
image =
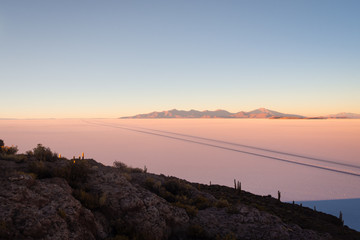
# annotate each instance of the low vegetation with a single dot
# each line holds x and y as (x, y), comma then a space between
(42, 153)
(180, 193)
(7, 150)
(123, 167)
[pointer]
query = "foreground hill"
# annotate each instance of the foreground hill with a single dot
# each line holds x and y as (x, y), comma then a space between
(258, 113)
(45, 197)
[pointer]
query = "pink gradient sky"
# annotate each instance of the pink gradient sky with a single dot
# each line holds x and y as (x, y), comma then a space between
(59, 59)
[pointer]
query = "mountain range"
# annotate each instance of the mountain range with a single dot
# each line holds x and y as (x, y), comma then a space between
(257, 113)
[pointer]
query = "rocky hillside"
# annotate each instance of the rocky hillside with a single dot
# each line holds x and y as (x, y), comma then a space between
(46, 197)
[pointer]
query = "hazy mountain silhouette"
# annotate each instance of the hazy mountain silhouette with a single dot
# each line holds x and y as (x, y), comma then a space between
(257, 113)
(344, 115)
(266, 113)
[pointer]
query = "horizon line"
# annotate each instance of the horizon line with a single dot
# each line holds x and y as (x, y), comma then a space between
(148, 112)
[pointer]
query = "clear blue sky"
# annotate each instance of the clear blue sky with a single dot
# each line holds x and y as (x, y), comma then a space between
(118, 58)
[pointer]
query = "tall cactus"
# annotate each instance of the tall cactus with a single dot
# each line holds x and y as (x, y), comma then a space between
(341, 218)
(279, 196)
(237, 186)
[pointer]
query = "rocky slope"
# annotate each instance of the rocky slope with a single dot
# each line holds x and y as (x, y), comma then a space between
(56, 198)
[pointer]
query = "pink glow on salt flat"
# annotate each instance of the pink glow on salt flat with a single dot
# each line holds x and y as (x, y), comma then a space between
(105, 141)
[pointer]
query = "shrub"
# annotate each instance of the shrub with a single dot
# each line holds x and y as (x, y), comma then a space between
(125, 168)
(176, 187)
(74, 173)
(168, 196)
(201, 202)
(149, 183)
(43, 153)
(190, 210)
(13, 157)
(40, 169)
(173, 186)
(87, 199)
(127, 176)
(136, 170)
(77, 173)
(6, 149)
(222, 203)
(9, 150)
(12, 150)
(120, 165)
(153, 185)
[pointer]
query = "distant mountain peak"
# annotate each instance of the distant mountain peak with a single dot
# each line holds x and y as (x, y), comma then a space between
(219, 113)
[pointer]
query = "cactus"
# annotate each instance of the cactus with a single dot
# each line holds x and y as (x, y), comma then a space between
(279, 195)
(237, 186)
(341, 218)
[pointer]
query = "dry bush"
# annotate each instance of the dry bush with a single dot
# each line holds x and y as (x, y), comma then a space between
(42, 153)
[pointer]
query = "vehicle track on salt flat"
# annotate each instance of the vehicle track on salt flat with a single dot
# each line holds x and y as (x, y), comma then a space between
(138, 130)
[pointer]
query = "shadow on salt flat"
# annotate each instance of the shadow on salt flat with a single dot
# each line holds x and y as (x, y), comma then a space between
(350, 209)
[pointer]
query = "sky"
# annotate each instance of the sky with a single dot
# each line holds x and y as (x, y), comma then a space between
(69, 59)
